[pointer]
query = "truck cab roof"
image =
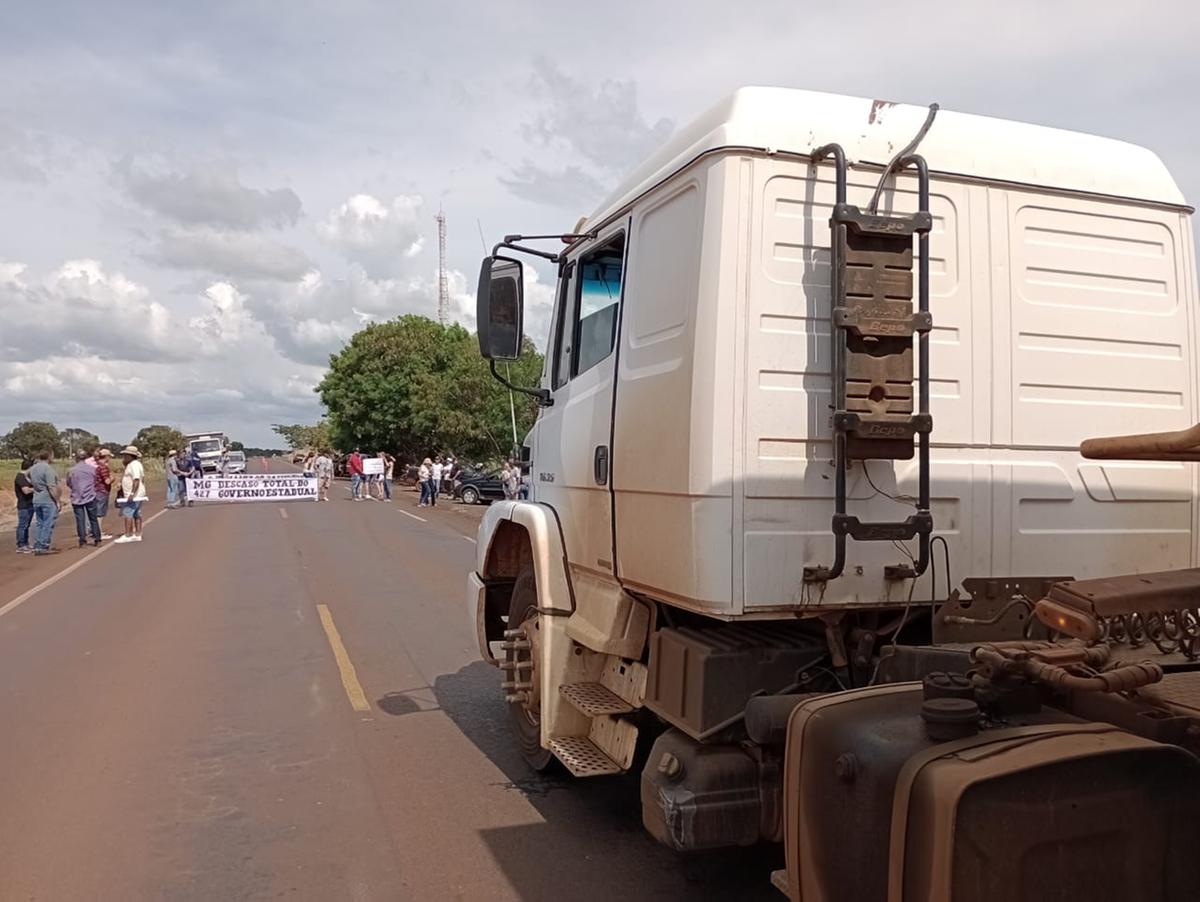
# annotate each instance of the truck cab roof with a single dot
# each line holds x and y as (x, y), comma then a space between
(793, 121)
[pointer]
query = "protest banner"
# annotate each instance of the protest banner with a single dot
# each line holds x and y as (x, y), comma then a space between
(372, 466)
(252, 488)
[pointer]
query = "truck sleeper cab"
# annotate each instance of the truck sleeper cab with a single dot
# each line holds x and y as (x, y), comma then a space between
(681, 468)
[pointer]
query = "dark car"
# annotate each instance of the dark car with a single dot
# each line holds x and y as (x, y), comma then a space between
(472, 487)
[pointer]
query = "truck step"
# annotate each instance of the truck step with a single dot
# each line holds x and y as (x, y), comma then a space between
(594, 699)
(582, 757)
(779, 880)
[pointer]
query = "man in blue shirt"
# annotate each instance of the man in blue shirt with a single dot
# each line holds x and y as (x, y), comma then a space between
(81, 480)
(186, 471)
(47, 501)
(197, 469)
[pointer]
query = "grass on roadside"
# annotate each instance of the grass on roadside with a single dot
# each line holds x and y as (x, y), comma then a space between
(155, 480)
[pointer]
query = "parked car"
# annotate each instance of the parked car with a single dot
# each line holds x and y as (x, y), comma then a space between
(236, 462)
(473, 487)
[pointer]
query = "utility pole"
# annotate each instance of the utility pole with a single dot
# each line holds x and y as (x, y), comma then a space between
(443, 285)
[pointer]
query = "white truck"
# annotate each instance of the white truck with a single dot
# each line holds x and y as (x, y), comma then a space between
(208, 446)
(817, 363)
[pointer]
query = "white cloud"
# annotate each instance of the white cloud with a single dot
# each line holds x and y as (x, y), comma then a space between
(209, 194)
(80, 309)
(592, 131)
(314, 317)
(238, 255)
(378, 235)
(221, 136)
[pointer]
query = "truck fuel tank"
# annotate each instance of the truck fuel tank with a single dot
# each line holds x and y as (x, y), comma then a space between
(899, 794)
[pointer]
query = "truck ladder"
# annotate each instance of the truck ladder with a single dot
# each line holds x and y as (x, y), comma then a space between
(871, 330)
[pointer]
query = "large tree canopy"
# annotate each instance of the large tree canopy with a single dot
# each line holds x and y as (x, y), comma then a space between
(297, 435)
(71, 440)
(416, 387)
(156, 441)
(29, 439)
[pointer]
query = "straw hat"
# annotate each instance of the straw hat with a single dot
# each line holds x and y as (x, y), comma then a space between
(131, 450)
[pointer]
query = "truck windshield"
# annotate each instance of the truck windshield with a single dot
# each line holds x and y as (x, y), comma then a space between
(206, 447)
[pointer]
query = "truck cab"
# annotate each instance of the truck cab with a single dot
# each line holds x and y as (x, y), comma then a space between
(208, 447)
(816, 380)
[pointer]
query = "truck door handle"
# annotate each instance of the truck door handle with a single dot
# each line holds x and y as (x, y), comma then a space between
(601, 465)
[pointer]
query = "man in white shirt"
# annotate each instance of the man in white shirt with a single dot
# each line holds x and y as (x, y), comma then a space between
(436, 475)
(324, 469)
(133, 495)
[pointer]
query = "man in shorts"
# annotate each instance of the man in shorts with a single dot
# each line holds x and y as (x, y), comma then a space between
(132, 496)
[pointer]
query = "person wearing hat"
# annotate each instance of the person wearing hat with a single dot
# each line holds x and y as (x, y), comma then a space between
(172, 466)
(132, 495)
(104, 483)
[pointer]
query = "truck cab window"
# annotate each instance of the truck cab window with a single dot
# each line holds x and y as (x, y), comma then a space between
(598, 294)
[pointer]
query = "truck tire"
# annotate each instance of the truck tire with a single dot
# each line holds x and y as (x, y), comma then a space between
(525, 716)
(470, 495)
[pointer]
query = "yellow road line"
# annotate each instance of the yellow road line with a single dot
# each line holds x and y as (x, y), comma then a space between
(354, 689)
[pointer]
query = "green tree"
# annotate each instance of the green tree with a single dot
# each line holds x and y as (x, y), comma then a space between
(416, 387)
(156, 441)
(29, 439)
(298, 435)
(75, 438)
(237, 446)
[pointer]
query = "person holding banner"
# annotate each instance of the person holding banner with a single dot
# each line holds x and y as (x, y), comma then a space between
(183, 464)
(373, 468)
(389, 469)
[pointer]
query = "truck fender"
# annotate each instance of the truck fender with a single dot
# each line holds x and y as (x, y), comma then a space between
(512, 535)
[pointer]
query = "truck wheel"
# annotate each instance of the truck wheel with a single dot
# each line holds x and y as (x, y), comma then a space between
(470, 495)
(524, 704)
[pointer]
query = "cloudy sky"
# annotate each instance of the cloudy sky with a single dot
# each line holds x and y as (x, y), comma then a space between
(199, 202)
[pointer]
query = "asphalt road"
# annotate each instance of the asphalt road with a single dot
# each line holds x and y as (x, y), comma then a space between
(176, 726)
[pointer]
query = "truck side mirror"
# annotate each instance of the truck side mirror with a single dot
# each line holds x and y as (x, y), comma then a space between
(499, 308)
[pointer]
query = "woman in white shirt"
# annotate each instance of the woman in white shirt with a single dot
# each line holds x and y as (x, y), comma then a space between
(424, 476)
(133, 495)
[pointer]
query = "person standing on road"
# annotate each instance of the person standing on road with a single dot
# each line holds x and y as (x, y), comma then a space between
(389, 470)
(81, 481)
(103, 488)
(432, 484)
(47, 501)
(183, 463)
(510, 480)
(133, 494)
(354, 465)
(436, 474)
(424, 472)
(324, 469)
(23, 489)
(172, 467)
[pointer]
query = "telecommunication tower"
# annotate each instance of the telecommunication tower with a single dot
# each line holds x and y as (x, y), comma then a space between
(443, 286)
